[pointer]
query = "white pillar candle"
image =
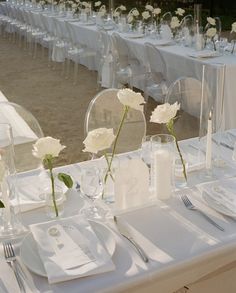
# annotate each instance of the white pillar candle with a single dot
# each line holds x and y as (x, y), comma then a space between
(209, 143)
(163, 168)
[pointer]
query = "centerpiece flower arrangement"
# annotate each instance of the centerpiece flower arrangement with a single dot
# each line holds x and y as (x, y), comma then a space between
(210, 31)
(101, 139)
(119, 10)
(47, 149)
(146, 16)
(102, 11)
(156, 14)
(132, 17)
(97, 5)
(85, 6)
(176, 21)
(233, 31)
(166, 114)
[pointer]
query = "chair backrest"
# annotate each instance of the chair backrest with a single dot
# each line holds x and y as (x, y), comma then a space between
(157, 63)
(122, 50)
(26, 130)
(187, 91)
(105, 110)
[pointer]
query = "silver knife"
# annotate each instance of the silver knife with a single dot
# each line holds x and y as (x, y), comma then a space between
(125, 233)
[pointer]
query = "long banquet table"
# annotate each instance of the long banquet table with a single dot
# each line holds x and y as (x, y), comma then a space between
(176, 57)
(181, 245)
(177, 60)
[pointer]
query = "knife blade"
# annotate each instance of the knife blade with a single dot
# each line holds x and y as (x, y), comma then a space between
(123, 230)
(223, 144)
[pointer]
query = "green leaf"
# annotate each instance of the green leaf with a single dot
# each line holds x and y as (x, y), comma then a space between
(66, 179)
(1, 205)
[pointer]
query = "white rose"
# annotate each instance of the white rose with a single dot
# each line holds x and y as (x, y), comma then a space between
(180, 11)
(164, 113)
(74, 5)
(97, 4)
(122, 8)
(149, 7)
(130, 98)
(135, 12)
(233, 27)
(146, 15)
(47, 146)
(98, 140)
(157, 11)
(174, 22)
(211, 20)
(211, 32)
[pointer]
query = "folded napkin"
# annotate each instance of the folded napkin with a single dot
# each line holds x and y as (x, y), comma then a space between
(222, 191)
(204, 54)
(70, 249)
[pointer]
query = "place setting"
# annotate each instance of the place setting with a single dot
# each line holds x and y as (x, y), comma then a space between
(117, 147)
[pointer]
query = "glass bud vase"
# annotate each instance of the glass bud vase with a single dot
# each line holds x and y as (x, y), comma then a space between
(10, 223)
(50, 203)
(163, 157)
(108, 194)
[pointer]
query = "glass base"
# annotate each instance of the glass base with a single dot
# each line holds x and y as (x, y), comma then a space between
(12, 232)
(94, 212)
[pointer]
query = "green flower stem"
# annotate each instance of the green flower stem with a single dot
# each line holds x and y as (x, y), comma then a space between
(50, 167)
(126, 109)
(170, 127)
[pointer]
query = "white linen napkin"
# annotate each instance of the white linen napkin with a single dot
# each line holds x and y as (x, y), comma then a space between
(131, 184)
(70, 249)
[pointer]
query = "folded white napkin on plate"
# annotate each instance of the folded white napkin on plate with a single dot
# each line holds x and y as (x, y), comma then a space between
(204, 54)
(69, 249)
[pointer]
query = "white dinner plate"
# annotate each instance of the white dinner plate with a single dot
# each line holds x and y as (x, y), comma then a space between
(218, 206)
(164, 43)
(204, 54)
(134, 36)
(30, 256)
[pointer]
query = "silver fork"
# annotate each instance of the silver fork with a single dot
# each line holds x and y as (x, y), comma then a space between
(191, 207)
(11, 260)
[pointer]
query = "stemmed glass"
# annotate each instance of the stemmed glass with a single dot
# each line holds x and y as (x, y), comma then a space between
(91, 186)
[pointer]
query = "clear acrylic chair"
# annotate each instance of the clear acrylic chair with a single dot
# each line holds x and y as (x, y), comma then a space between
(105, 75)
(157, 84)
(188, 92)
(105, 110)
(26, 130)
(128, 69)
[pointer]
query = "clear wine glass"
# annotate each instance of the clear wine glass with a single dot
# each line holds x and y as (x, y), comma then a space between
(91, 186)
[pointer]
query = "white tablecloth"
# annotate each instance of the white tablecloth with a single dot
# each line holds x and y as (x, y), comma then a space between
(181, 245)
